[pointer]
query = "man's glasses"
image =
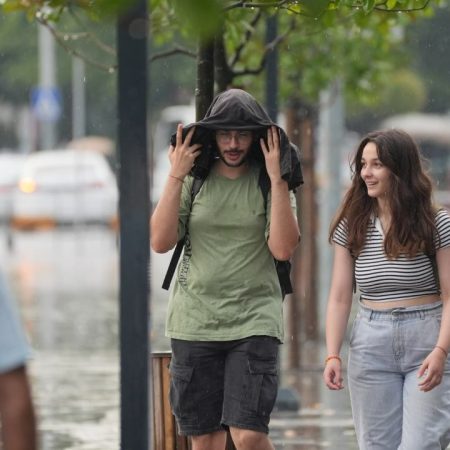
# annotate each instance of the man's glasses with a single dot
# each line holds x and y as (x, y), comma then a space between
(225, 137)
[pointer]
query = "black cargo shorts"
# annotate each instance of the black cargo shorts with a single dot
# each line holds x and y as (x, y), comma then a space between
(216, 385)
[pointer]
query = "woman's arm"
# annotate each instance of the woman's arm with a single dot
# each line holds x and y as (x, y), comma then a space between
(338, 311)
(284, 233)
(164, 220)
(432, 368)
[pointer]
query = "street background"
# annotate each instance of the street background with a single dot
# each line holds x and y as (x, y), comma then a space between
(327, 75)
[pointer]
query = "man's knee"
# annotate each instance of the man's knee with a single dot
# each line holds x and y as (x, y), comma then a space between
(249, 439)
(210, 441)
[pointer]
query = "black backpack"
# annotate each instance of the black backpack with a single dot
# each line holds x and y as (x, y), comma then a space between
(283, 267)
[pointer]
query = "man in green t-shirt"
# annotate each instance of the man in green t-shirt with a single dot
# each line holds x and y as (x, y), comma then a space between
(225, 309)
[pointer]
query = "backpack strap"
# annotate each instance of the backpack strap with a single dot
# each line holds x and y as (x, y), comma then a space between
(283, 267)
(196, 185)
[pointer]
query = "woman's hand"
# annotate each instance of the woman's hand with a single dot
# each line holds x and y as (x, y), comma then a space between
(332, 374)
(432, 370)
(271, 153)
(183, 155)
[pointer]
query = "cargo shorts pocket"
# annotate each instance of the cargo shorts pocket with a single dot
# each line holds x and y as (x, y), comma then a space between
(262, 386)
(181, 400)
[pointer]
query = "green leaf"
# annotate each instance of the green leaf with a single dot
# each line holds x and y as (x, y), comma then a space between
(368, 6)
(202, 17)
(315, 8)
(391, 4)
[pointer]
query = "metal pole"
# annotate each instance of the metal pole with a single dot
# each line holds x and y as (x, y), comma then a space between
(134, 226)
(331, 136)
(78, 98)
(47, 80)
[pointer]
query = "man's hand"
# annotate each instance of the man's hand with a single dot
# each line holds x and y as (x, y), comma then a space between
(271, 153)
(183, 155)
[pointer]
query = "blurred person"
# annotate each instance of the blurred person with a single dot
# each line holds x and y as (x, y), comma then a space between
(394, 243)
(225, 310)
(17, 418)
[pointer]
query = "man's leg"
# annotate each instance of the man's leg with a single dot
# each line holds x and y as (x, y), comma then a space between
(196, 391)
(250, 440)
(16, 411)
(211, 441)
(251, 385)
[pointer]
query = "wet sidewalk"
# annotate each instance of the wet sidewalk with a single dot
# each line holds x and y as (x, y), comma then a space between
(322, 421)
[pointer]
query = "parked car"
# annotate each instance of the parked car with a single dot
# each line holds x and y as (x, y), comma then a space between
(65, 187)
(10, 165)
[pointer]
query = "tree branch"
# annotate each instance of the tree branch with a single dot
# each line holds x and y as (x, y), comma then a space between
(174, 51)
(71, 51)
(269, 47)
(247, 4)
(246, 39)
(378, 7)
(106, 48)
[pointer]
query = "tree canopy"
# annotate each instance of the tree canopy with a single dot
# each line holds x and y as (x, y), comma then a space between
(359, 42)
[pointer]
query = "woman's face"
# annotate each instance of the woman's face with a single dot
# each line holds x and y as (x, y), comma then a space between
(376, 175)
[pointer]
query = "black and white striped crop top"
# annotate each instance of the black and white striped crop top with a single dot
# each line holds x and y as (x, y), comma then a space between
(382, 279)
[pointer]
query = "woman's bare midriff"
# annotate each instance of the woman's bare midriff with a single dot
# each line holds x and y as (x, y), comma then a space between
(404, 303)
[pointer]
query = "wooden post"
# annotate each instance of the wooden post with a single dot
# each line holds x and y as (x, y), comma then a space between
(165, 436)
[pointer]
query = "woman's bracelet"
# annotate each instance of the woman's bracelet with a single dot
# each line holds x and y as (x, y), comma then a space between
(329, 358)
(443, 349)
(176, 178)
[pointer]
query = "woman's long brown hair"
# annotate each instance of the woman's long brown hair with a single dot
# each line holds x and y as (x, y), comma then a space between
(412, 225)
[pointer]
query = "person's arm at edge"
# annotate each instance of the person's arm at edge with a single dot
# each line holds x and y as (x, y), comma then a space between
(17, 411)
(337, 315)
(164, 220)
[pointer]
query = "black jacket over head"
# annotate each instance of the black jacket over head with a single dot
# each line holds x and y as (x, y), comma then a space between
(235, 109)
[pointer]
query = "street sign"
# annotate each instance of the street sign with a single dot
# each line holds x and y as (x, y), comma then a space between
(46, 103)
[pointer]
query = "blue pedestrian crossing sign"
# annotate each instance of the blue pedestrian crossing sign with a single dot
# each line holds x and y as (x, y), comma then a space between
(46, 103)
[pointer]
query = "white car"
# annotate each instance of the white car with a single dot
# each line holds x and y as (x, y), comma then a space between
(65, 187)
(10, 165)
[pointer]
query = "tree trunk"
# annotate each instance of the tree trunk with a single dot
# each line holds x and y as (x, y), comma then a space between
(308, 223)
(204, 92)
(223, 74)
(302, 308)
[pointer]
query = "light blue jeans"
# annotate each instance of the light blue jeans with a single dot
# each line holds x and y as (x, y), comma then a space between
(386, 351)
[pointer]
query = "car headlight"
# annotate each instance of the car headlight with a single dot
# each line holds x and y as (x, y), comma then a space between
(27, 185)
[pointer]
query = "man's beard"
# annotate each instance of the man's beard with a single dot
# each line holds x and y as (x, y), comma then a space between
(237, 164)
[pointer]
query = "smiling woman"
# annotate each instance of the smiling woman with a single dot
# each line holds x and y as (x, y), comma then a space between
(393, 241)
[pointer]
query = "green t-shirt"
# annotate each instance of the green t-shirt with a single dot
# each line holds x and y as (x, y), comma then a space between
(226, 286)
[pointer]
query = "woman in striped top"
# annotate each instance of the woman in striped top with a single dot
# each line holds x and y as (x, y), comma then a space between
(394, 243)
